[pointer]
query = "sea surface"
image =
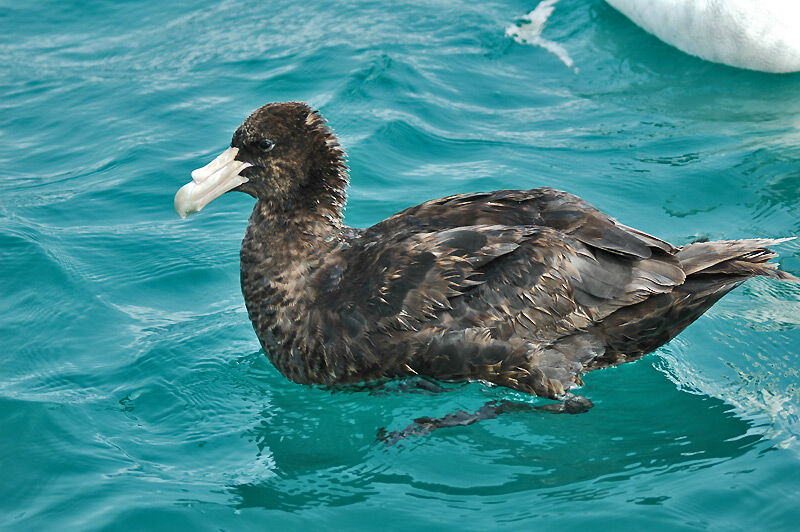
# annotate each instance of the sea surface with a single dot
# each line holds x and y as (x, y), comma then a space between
(133, 391)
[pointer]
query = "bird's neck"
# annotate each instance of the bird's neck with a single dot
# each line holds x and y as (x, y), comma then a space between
(282, 237)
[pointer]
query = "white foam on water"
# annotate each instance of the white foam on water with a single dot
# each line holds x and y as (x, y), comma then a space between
(529, 31)
(775, 414)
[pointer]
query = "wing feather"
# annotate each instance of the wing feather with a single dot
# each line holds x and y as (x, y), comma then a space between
(501, 286)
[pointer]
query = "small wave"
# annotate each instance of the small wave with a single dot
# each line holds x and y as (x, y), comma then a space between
(758, 398)
(529, 31)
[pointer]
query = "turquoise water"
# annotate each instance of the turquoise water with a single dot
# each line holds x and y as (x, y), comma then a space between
(133, 393)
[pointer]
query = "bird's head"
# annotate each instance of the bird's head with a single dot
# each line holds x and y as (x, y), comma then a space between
(283, 154)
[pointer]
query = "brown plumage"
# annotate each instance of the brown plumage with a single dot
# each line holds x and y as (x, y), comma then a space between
(527, 289)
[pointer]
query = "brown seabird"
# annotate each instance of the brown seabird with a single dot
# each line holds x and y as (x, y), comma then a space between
(527, 289)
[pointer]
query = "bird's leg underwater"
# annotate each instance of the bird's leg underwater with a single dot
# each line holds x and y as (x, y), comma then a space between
(419, 384)
(569, 404)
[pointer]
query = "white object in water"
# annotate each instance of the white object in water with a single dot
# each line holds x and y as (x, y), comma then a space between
(754, 34)
(530, 31)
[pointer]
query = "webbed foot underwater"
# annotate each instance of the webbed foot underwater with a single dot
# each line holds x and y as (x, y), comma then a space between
(527, 289)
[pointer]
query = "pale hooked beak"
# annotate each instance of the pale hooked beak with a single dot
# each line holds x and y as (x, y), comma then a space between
(210, 182)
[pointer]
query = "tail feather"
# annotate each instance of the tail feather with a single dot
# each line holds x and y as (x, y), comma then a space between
(712, 270)
(737, 258)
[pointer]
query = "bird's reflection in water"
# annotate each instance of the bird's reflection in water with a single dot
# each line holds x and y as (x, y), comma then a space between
(324, 449)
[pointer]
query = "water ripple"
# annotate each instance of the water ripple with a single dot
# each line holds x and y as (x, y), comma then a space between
(133, 389)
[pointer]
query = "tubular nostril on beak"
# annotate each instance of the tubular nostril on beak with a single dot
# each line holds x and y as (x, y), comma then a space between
(209, 182)
(226, 157)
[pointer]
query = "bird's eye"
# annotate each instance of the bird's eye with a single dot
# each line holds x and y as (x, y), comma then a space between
(265, 145)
